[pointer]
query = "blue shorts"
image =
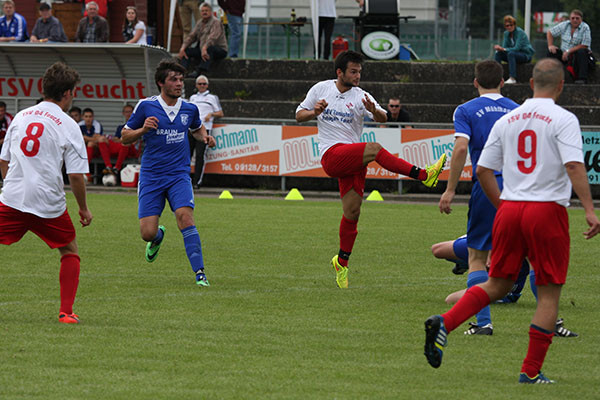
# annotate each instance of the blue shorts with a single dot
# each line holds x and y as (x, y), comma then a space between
(481, 218)
(152, 193)
(460, 248)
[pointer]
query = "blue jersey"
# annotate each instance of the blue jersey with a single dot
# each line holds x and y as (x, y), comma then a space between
(474, 120)
(167, 150)
(17, 28)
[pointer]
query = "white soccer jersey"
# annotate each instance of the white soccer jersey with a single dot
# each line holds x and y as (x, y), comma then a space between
(206, 103)
(531, 145)
(37, 142)
(342, 120)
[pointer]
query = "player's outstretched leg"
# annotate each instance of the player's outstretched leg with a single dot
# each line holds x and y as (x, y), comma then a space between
(341, 273)
(435, 340)
(153, 247)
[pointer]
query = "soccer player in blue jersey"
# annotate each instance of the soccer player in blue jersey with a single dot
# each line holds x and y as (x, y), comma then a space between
(163, 122)
(473, 122)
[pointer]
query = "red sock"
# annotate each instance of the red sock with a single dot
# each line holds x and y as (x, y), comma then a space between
(539, 341)
(105, 154)
(123, 151)
(69, 280)
(469, 304)
(90, 153)
(348, 234)
(394, 164)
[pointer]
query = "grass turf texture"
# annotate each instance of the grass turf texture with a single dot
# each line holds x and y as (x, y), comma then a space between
(273, 324)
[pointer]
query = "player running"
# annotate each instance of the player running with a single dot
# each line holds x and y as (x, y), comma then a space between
(38, 142)
(538, 146)
(473, 121)
(340, 106)
(163, 122)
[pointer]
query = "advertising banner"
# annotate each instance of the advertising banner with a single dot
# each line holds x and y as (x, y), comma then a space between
(591, 156)
(97, 89)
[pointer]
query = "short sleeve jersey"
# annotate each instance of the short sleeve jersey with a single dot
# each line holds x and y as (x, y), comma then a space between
(39, 140)
(474, 119)
(532, 144)
(342, 120)
(95, 129)
(167, 150)
(206, 103)
(142, 26)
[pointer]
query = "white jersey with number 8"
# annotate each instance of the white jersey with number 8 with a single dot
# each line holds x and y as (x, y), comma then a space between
(37, 142)
(531, 145)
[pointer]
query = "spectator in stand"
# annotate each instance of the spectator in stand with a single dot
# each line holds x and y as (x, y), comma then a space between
(327, 16)
(134, 30)
(210, 108)
(575, 42)
(117, 148)
(5, 120)
(395, 112)
(93, 28)
(47, 28)
(13, 26)
(515, 48)
(75, 113)
(187, 8)
(212, 44)
(95, 141)
(102, 7)
(234, 9)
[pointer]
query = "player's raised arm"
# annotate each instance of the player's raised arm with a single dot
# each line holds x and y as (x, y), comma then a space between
(304, 115)
(129, 135)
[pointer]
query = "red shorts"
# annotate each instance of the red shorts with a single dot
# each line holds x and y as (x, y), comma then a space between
(345, 162)
(536, 230)
(56, 232)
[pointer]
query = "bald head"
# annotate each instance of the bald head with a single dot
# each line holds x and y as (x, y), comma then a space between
(547, 74)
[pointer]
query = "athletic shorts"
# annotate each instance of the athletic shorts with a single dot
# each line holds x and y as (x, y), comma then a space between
(460, 248)
(152, 193)
(345, 162)
(56, 232)
(536, 230)
(480, 218)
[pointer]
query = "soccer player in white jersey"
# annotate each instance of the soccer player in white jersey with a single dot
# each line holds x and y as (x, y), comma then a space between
(340, 106)
(538, 147)
(163, 122)
(39, 141)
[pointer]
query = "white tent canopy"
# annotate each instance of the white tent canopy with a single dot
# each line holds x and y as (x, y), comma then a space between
(314, 12)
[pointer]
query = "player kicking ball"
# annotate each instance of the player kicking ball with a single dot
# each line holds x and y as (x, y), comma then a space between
(38, 142)
(539, 149)
(163, 122)
(340, 106)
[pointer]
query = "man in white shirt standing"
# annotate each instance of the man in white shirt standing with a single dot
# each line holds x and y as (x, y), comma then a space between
(340, 106)
(38, 142)
(539, 149)
(210, 108)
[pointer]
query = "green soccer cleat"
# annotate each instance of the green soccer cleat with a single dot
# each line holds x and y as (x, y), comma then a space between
(434, 171)
(153, 248)
(201, 279)
(341, 273)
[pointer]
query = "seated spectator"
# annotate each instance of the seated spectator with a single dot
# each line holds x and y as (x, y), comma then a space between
(93, 135)
(134, 30)
(210, 108)
(13, 26)
(575, 41)
(92, 28)
(5, 120)
(120, 150)
(212, 44)
(396, 112)
(75, 113)
(515, 48)
(102, 7)
(47, 28)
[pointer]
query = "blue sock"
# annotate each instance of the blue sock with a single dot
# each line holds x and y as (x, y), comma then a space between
(476, 277)
(532, 283)
(159, 236)
(520, 283)
(193, 248)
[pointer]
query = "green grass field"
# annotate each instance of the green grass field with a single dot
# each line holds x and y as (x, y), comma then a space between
(273, 325)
